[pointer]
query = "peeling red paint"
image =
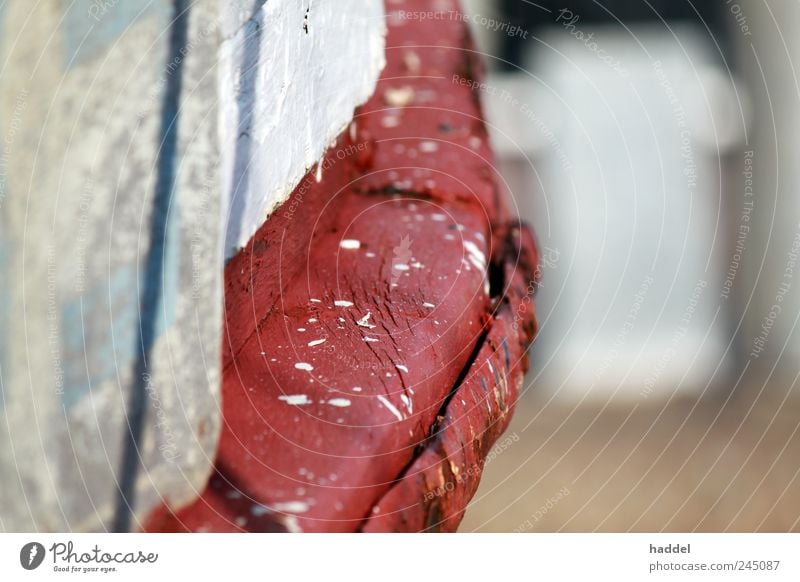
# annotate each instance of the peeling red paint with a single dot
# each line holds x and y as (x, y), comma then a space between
(368, 362)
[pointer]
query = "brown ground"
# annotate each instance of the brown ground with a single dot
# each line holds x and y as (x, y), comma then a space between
(648, 466)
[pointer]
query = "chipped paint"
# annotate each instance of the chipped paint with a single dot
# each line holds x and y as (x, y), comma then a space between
(364, 321)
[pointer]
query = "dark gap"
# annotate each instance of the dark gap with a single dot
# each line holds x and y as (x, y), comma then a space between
(497, 279)
(440, 415)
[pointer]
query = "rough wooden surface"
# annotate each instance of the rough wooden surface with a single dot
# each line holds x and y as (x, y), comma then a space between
(377, 323)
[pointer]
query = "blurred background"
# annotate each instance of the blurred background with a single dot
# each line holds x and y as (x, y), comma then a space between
(651, 144)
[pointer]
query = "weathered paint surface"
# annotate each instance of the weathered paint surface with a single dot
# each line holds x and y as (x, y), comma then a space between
(376, 324)
(291, 74)
(105, 175)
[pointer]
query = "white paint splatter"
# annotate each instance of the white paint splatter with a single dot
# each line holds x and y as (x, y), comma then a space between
(475, 253)
(317, 342)
(428, 147)
(402, 368)
(429, 305)
(290, 507)
(407, 401)
(399, 97)
(390, 407)
(343, 303)
(370, 339)
(304, 366)
(295, 399)
(411, 60)
(291, 524)
(364, 321)
(357, 388)
(350, 244)
(339, 402)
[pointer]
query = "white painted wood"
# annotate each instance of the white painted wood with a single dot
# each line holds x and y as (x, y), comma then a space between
(291, 74)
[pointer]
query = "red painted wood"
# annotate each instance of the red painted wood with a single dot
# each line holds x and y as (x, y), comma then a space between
(420, 366)
(436, 488)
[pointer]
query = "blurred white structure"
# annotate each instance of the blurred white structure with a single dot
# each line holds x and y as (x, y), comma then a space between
(614, 148)
(769, 58)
